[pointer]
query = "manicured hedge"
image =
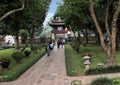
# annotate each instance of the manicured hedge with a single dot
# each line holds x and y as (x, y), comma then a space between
(103, 70)
(102, 81)
(74, 64)
(116, 81)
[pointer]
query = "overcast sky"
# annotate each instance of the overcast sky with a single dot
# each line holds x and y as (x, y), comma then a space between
(53, 7)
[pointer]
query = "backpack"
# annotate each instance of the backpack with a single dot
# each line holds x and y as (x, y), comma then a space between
(50, 47)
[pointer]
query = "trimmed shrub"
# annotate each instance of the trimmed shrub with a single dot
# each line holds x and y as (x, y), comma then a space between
(101, 81)
(34, 49)
(75, 47)
(116, 81)
(27, 53)
(17, 56)
(76, 82)
(84, 50)
(16, 70)
(6, 47)
(5, 62)
(102, 70)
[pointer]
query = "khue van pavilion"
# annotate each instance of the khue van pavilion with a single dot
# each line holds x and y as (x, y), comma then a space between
(59, 30)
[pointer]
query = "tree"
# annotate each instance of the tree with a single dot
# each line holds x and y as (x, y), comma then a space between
(29, 19)
(24, 35)
(111, 29)
(11, 23)
(33, 16)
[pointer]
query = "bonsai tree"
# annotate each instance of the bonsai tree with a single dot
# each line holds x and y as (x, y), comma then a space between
(17, 56)
(5, 62)
(27, 52)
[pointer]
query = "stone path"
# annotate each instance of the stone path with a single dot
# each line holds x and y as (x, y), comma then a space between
(51, 71)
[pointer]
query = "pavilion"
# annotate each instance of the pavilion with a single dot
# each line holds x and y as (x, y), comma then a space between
(59, 30)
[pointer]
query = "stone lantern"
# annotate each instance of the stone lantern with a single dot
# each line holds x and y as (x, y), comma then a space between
(86, 61)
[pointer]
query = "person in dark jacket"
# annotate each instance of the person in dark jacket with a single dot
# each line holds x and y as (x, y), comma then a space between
(48, 49)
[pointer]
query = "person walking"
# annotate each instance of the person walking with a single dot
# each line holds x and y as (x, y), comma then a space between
(58, 44)
(51, 45)
(48, 49)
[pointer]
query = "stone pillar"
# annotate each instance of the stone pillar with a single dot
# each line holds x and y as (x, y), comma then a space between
(87, 67)
(66, 36)
(53, 36)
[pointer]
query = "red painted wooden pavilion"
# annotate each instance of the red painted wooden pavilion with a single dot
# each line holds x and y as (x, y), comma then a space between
(59, 30)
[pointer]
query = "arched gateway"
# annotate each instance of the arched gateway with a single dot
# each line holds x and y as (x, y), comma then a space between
(59, 30)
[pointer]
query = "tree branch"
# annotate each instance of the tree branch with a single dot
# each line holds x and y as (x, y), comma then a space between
(99, 29)
(13, 11)
(114, 26)
(106, 19)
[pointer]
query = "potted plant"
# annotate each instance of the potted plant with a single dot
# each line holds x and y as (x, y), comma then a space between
(5, 62)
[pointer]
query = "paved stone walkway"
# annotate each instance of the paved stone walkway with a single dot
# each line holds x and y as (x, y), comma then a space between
(51, 71)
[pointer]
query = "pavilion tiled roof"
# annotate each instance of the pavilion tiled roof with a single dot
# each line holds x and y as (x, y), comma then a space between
(57, 22)
(53, 24)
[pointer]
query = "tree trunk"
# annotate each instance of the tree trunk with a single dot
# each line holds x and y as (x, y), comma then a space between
(84, 40)
(74, 37)
(17, 40)
(79, 37)
(110, 47)
(93, 15)
(25, 45)
(31, 35)
(114, 30)
(97, 38)
(86, 37)
(117, 42)
(31, 40)
(110, 56)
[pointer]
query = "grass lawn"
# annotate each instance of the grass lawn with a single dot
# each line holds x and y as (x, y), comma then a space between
(74, 63)
(15, 70)
(6, 52)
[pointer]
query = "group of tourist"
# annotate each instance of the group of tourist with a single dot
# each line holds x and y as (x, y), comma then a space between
(50, 46)
(60, 43)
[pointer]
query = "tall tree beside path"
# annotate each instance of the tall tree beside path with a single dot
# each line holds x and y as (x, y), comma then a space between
(34, 15)
(30, 18)
(110, 47)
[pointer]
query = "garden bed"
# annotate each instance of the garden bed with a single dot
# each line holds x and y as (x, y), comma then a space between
(15, 70)
(75, 66)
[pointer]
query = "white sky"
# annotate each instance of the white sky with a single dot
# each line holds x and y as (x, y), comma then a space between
(53, 7)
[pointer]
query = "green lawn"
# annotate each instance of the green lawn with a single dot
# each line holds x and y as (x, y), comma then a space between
(6, 52)
(15, 70)
(74, 63)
